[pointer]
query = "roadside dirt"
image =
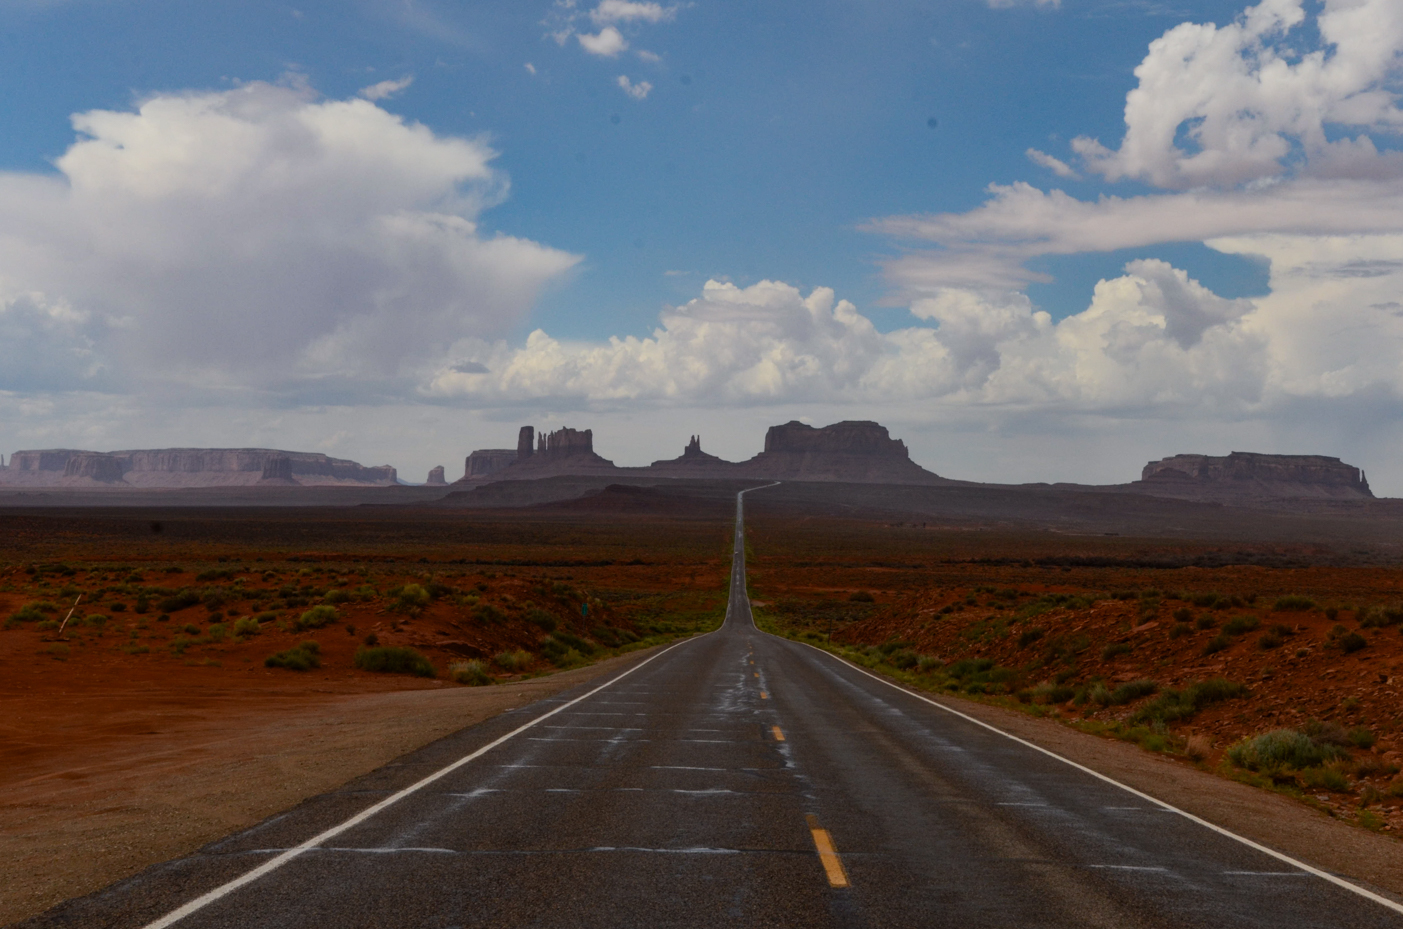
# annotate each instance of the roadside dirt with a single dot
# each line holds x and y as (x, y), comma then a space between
(116, 772)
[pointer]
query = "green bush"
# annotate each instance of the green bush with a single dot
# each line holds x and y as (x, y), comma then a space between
(1362, 738)
(394, 659)
(903, 659)
(1133, 690)
(178, 601)
(1269, 640)
(575, 642)
(1115, 650)
(1240, 624)
(411, 598)
(1174, 705)
(1052, 693)
(513, 660)
(1205, 622)
(1282, 749)
(1216, 644)
(472, 673)
(316, 618)
(1183, 615)
(246, 626)
(861, 596)
(1179, 630)
(336, 595)
(542, 619)
(1293, 604)
(560, 654)
(1030, 636)
(302, 657)
(1348, 642)
(1325, 778)
(488, 614)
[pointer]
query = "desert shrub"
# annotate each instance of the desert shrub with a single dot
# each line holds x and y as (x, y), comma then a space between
(861, 596)
(927, 663)
(1269, 640)
(142, 604)
(575, 642)
(472, 673)
(1205, 600)
(1240, 624)
(1198, 746)
(1216, 644)
(1205, 622)
(411, 598)
(176, 602)
(1030, 636)
(117, 607)
(1174, 705)
(1377, 616)
(903, 659)
(438, 589)
(488, 614)
(1133, 690)
(302, 657)
(1179, 630)
(57, 651)
(513, 660)
(1362, 737)
(217, 633)
(215, 574)
(1326, 732)
(316, 618)
(1293, 604)
(541, 618)
(267, 617)
(1183, 615)
(1325, 778)
(336, 595)
(1048, 693)
(245, 626)
(559, 653)
(1282, 748)
(1346, 641)
(1115, 650)
(394, 659)
(216, 616)
(1099, 693)
(30, 613)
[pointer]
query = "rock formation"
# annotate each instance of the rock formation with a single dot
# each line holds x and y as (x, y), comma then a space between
(1248, 475)
(86, 467)
(278, 470)
(858, 452)
(189, 467)
(436, 476)
(695, 463)
(485, 462)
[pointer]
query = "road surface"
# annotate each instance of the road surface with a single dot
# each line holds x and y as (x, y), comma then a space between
(739, 780)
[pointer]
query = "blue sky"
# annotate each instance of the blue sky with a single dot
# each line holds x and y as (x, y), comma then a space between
(621, 155)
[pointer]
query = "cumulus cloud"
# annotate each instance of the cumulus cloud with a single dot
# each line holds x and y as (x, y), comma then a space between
(1009, 4)
(1055, 165)
(387, 89)
(615, 11)
(1226, 105)
(257, 238)
(637, 91)
(607, 43)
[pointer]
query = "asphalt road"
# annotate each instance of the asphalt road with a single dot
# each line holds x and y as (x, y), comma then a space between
(736, 779)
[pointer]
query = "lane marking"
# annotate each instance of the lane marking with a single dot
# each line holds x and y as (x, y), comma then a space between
(1167, 807)
(764, 695)
(779, 733)
(827, 854)
(757, 674)
(1128, 867)
(267, 867)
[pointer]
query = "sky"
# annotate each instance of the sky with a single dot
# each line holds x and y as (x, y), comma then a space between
(1038, 240)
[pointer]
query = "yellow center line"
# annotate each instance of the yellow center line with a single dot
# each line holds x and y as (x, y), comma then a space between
(757, 673)
(779, 735)
(827, 854)
(764, 695)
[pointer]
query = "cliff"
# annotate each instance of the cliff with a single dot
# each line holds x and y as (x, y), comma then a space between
(189, 467)
(1248, 475)
(436, 476)
(853, 451)
(564, 451)
(693, 462)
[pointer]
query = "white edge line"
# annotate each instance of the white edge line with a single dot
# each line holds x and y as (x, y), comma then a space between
(249, 877)
(1279, 856)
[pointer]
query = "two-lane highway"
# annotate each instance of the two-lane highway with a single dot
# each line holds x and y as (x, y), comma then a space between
(734, 779)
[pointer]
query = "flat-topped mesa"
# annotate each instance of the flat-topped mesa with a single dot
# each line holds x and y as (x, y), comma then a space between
(1249, 474)
(854, 451)
(484, 462)
(278, 470)
(560, 452)
(86, 467)
(436, 477)
(192, 467)
(565, 442)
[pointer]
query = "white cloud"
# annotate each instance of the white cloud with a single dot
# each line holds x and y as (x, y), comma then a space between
(1055, 165)
(530, 68)
(649, 57)
(607, 43)
(616, 11)
(257, 239)
(637, 91)
(1009, 4)
(386, 89)
(1231, 104)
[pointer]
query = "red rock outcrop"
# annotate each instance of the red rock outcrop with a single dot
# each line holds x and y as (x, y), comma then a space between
(436, 477)
(193, 467)
(852, 451)
(695, 463)
(86, 467)
(1248, 475)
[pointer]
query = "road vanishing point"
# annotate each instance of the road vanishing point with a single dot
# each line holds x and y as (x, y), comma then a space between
(734, 779)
